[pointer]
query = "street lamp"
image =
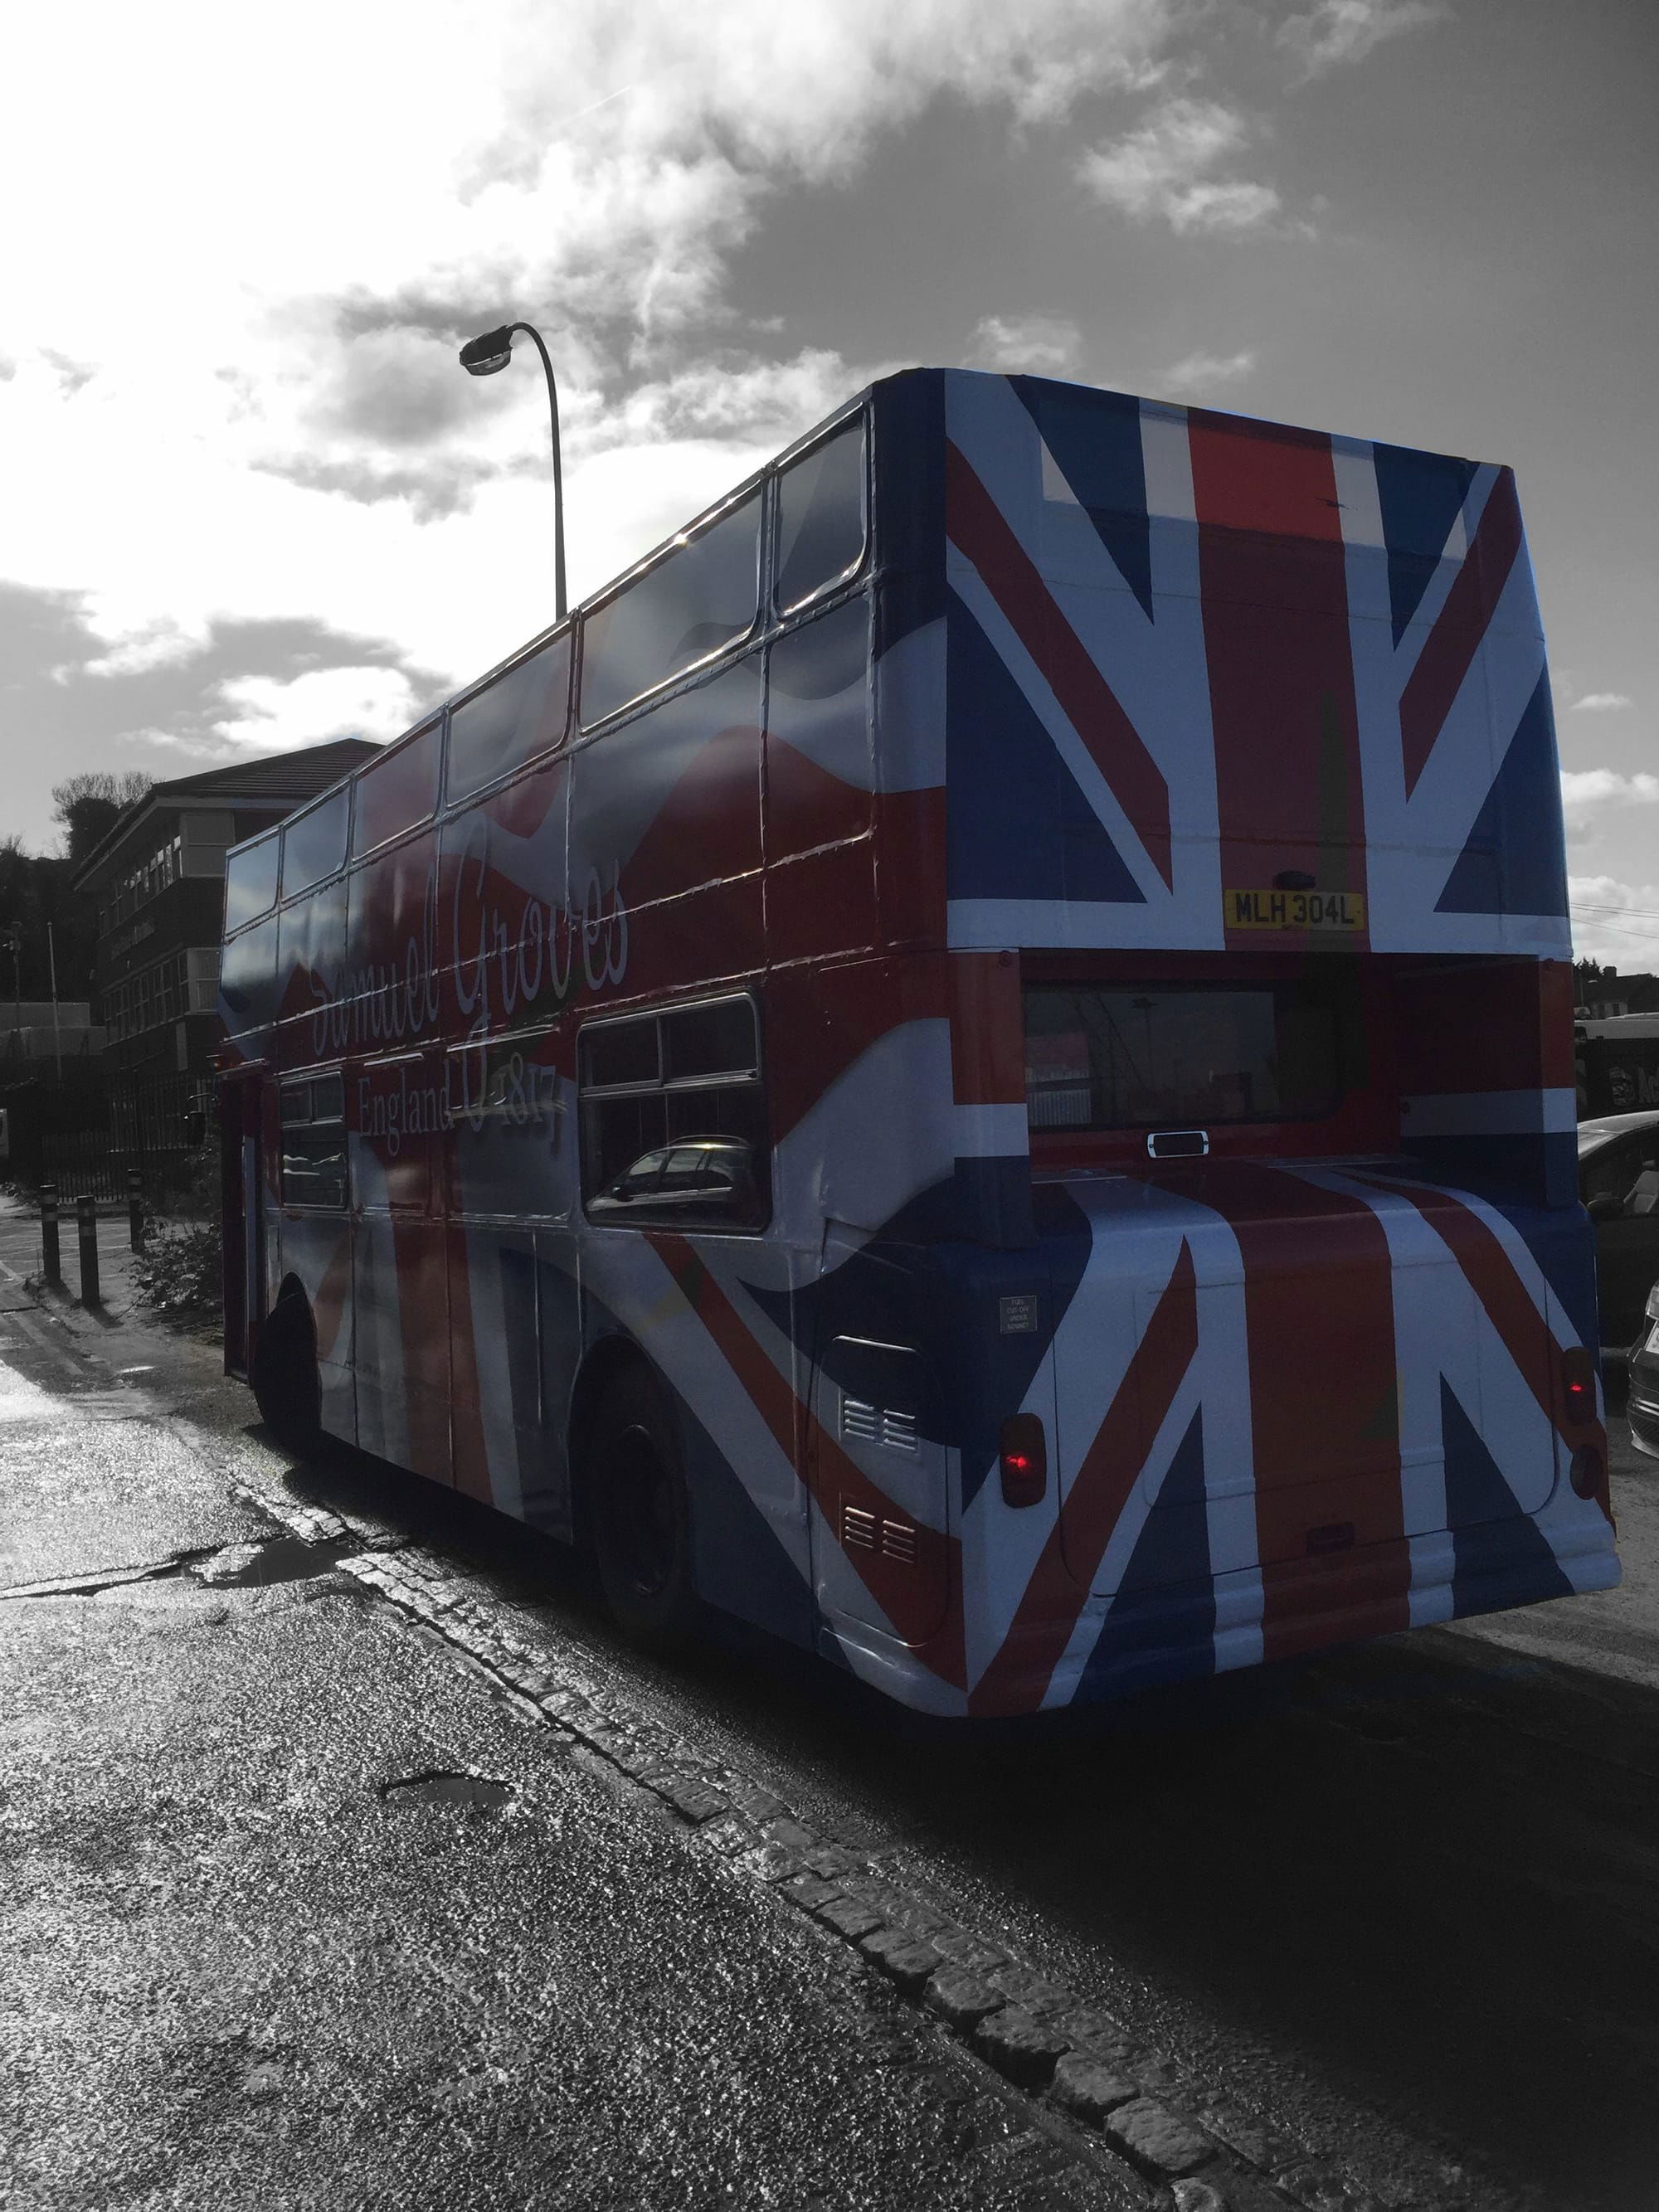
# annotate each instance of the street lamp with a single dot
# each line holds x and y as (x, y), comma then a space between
(484, 357)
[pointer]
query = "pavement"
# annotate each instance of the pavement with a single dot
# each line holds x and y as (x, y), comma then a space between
(300, 1912)
(350, 1860)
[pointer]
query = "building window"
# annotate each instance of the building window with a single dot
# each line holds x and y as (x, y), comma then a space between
(314, 1152)
(672, 1112)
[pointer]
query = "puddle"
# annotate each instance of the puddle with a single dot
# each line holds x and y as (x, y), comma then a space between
(474, 1791)
(282, 1559)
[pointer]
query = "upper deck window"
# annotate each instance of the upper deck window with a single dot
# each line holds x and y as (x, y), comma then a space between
(523, 713)
(251, 882)
(314, 842)
(702, 596)
(399, 790)
(821, 517)
(1112, 1057)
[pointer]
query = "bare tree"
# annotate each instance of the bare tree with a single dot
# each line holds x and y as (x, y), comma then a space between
(87, 806)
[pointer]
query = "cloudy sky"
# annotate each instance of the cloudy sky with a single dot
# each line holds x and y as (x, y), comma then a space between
(250, 501)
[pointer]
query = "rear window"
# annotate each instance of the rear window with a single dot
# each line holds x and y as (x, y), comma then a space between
(1099, 1057)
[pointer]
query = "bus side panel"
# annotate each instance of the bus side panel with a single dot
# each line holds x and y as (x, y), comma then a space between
(495, 1364)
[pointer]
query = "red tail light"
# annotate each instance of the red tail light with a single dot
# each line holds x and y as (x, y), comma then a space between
(1578, 1384)
(1023, 1460)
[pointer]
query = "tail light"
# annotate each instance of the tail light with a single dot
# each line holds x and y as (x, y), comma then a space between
(1023, 1460)
(1578, 1384)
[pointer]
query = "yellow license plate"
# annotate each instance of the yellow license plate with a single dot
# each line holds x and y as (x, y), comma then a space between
(1295, 910)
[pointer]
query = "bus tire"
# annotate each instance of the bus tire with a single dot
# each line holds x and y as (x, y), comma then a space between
(639, 1513)
(287, 1387)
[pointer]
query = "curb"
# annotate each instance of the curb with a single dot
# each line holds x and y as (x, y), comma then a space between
(1199, 2152)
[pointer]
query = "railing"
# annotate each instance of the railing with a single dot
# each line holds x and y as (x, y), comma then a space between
(157, 1128)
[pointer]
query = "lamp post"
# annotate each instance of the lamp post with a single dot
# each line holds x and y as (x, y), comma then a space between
(11, 940)
(484, 357)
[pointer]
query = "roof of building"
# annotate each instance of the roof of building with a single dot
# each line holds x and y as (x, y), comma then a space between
(282, 780)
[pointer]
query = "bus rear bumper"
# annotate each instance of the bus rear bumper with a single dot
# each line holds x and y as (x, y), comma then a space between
(1183, 1633)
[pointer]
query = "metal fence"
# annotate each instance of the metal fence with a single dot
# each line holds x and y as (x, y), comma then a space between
(157, 1128)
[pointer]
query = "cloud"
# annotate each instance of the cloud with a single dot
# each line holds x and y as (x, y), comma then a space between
(1601, 702)
(1042, 345)
(1615, 922)
(1582, 790)
(1203, 371)
(264, 714)
(1339, 31)
(1162, 171)
(596, 174)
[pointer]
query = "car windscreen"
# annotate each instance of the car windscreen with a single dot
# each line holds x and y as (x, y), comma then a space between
(1112, 1056)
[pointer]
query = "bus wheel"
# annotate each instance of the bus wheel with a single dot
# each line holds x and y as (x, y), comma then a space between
(640, 1515)
(283, 1371)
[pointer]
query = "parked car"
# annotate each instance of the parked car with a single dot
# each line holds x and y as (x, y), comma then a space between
(1618, 1183)
(1642, 1406)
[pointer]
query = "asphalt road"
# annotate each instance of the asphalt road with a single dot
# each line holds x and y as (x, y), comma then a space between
(1398, 1902)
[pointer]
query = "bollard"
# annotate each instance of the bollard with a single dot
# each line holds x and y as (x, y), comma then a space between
(51, 1265)
(86, 1222)
(136, 1207)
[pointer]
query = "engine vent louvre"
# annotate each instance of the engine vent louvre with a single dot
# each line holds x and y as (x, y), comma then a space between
(864, 1531)
(858, 1529)
(862, 1423)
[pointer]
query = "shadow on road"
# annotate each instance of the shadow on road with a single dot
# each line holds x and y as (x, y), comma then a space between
(1426, 1867)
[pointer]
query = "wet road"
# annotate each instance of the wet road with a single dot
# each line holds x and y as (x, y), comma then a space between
(1398, 1902)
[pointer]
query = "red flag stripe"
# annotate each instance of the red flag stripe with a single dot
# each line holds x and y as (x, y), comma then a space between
(1508, 1303)
(1059, 1585)
(1452, 644)
(977, 527)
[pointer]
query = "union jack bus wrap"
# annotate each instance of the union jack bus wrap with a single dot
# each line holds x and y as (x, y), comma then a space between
(973, 1063)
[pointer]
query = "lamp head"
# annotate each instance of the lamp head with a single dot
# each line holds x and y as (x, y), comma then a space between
(482, 356)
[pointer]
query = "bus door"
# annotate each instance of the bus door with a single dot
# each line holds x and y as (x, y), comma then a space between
(400, 1355)
(242, 1190)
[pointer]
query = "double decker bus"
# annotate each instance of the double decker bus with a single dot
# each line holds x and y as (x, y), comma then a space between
(973, 1063)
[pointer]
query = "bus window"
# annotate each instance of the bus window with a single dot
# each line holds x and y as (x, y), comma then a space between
(523, 713)
(314, 842)
(251, 882)
(700, 598)
(820, 518)
(1099, 1057)
(399, 790)
(673, 1118)
(313, 1151)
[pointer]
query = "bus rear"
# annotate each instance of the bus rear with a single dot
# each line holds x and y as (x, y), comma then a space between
(1271, 1321)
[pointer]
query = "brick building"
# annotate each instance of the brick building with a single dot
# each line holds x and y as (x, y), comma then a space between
(157, 882)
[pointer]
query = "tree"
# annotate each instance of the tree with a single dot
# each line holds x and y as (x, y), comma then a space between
(87, 806)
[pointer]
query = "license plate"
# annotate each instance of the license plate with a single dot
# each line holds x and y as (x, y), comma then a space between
(1338, 910)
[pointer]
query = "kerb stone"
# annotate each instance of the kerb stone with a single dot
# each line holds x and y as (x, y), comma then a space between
(1088, 2088)
(901, 1958)
(1022, 2049)
(960, 1997)
(1162, 2144)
